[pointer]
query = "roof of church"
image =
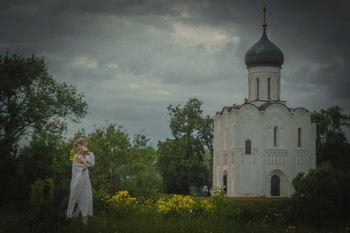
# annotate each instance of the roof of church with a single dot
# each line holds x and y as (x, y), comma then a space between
(264, 53)
(263, 107)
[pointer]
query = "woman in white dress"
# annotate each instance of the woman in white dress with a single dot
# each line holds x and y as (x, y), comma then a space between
(80, 199)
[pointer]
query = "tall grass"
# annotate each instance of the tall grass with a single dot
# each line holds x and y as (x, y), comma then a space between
(189, 225)
(174, 214)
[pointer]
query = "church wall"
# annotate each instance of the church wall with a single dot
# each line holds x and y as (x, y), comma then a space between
(250, 174)
(248, 128)
(276, 138)
(258, 78)
(276, 119)
(221, 148)
(300, 149)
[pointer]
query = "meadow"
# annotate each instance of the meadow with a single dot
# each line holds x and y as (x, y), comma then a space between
(123, 213)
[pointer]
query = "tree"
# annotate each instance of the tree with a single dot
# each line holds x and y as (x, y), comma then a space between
(331, 142)
(322, 194)
(30, 101)
(180, 160)
(122, 163)
(42, 159)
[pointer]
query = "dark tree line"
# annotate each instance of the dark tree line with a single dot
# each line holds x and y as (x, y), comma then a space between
(323, 193)
(181, 160)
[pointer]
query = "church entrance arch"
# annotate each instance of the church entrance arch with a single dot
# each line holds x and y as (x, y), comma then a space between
(275, 185)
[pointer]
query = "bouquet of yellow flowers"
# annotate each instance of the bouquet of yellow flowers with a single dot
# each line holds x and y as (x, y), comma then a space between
(77, 155)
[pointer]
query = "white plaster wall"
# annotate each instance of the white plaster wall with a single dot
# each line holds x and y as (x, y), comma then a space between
(263, 73)
(250, 175)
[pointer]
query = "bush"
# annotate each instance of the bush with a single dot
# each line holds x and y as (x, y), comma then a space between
(41, 212)
(322, 195)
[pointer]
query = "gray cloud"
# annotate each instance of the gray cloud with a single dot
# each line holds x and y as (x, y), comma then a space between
(134, 58)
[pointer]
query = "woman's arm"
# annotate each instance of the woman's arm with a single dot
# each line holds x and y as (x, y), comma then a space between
(89, 159)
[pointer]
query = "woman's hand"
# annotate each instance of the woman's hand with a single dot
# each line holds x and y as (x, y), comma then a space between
(85, 149)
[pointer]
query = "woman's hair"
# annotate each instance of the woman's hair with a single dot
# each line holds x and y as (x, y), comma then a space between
(79, 141)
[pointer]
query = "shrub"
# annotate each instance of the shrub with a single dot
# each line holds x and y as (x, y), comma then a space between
(121, 205)
(322, 194)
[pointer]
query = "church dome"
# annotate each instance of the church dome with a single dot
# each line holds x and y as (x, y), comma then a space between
(264, 53)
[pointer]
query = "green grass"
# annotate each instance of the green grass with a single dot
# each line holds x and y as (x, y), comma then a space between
(188, 225)
(264, 215)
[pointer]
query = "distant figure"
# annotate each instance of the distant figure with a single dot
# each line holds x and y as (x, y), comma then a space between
(80, 199)
(205, 191)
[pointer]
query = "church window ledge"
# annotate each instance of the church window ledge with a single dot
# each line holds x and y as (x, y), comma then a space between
(276, 157)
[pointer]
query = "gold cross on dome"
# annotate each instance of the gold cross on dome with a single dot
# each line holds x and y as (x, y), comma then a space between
(264, 24)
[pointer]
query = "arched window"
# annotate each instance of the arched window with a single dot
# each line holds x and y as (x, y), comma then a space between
(275, 136)
(257, 88)
(269, 88)
(248, 147)
(299, 137)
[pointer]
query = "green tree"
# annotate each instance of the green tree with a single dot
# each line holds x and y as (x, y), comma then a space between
(331, 142)
(35, 162)
(322, 194)
(122, 163)
(180, 160)
(31, 101)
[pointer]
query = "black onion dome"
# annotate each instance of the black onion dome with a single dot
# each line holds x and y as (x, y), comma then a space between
(264, 53)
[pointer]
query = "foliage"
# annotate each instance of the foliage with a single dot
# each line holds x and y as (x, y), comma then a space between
(331, 142)
(323, 194)
(35, 162)
(180, 160)
(253, 217)
(176, 206)
(121, 163)
(43, 215)
(193, 225)
(47, 157)
(42, 192)
(121, 205)
(30, 98)
(31, 101)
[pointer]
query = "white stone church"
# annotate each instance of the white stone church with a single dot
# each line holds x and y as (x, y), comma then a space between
(261, 145)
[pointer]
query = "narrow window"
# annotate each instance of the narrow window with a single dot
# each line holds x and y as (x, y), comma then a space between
(257, 88)
(299, 137)
(269, 88)
(275, 131)
(248, 145)
(224, 186)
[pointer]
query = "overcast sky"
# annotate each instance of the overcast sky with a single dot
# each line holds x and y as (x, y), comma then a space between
(132, 58)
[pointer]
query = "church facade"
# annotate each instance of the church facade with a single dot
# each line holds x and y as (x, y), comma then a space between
(261, 145)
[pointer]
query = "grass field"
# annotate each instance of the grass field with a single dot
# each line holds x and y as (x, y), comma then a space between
(243, 215)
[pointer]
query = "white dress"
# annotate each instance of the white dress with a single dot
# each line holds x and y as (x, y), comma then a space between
(80, 186)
